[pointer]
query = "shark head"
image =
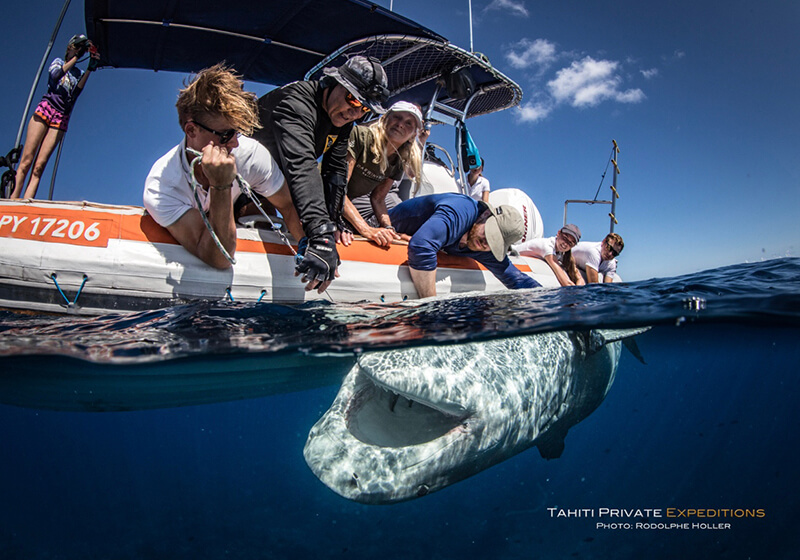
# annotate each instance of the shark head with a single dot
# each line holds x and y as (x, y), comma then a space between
(411, 421)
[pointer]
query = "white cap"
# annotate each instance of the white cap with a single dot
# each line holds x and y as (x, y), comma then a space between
(406, 107)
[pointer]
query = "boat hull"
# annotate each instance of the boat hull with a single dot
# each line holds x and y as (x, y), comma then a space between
(88, 258)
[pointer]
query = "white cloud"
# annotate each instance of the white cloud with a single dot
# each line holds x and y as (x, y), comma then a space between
(630, 96)
(532, 111)
(516, 7)
(676, 55)
(588, 82)
(527, 53)
(585, 82)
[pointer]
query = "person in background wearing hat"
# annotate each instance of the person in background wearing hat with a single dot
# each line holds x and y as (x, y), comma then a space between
(213, 110)
(302, 121)
(462, 226)
(599, 258)
(49, 121)
(557, 253)
(377, 157)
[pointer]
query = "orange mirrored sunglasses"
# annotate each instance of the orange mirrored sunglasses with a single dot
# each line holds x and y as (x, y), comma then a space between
(355, 103)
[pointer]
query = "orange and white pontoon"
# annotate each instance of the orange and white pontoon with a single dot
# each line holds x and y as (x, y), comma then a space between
(91, 258)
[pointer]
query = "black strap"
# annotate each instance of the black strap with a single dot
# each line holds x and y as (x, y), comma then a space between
(11, 158)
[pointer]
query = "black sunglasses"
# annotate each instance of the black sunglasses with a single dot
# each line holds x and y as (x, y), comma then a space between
(612, 249)
(224, 136)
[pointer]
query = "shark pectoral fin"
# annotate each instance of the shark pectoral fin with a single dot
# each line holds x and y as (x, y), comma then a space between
(613, 335)
(552, 446)
(606, 336)
(551, 449)
(633, 348)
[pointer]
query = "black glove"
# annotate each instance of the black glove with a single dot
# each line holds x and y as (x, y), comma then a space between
(320, 260)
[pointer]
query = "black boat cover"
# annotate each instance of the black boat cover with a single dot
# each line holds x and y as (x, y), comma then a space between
(267, 42)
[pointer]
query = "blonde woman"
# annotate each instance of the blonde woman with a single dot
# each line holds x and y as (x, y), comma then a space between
(377, 156)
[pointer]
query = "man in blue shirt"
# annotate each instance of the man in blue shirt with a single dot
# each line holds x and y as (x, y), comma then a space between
(461, 226)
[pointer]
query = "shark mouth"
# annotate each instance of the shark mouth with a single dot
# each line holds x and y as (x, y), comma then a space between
(385, 417)
(380, 445)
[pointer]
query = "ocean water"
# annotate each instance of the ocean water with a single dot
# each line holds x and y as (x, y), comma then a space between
(114, 445)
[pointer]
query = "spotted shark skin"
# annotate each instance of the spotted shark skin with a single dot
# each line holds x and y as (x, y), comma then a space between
(412, 421)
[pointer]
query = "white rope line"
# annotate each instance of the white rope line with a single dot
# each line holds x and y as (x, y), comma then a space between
(245, 187)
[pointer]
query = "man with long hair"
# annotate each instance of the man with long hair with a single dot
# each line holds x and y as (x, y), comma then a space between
(213, 111)
(599, 258)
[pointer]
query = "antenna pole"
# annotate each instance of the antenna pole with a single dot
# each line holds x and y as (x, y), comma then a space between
(471, 48)
(614, 192)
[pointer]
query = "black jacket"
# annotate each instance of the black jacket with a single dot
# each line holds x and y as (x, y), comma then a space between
(297, 130)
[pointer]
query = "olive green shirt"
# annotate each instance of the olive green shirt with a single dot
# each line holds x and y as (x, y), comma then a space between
(367, 174)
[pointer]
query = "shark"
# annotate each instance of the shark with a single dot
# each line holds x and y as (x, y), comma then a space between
(408, 422)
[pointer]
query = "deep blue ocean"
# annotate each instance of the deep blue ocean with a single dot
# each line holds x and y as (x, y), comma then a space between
(105, 453)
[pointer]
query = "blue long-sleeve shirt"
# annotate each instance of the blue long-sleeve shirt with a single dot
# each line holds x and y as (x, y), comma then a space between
(437, 223)
(62, 87)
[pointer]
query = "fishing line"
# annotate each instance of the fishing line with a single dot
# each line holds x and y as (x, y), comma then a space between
(245, 187)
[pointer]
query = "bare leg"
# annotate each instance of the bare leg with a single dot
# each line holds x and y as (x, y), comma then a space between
(37, 129)
(51, 140)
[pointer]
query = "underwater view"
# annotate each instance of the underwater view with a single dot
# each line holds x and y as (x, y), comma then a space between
(181, 433)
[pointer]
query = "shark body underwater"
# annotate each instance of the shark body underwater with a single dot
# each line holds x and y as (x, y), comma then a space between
(412, 421)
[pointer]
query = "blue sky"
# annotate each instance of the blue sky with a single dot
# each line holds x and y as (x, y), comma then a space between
(701, 96)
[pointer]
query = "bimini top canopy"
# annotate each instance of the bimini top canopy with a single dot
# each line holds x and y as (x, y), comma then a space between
(431, 72)
(266, 42)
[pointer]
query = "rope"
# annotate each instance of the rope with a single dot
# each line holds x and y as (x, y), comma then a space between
(195, 185)
(603, 178)
(72, 303)
(245, 187)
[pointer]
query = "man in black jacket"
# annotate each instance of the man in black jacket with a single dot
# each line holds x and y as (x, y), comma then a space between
(302, 121)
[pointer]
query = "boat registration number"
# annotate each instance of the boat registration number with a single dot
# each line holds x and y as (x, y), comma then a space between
(92, 233)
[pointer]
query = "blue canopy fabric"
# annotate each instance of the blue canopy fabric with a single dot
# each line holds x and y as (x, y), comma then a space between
(267, 42)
